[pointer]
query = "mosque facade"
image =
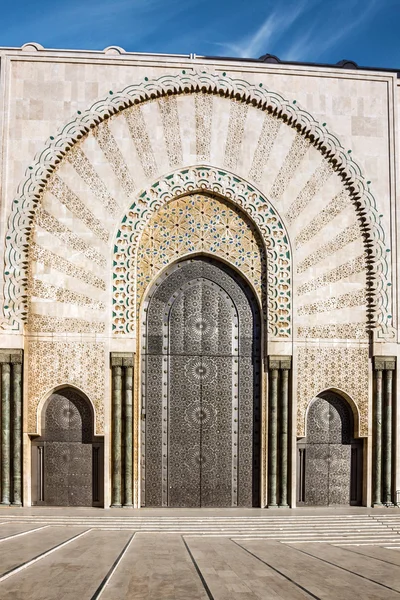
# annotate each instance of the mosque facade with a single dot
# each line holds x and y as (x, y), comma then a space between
(199, 287)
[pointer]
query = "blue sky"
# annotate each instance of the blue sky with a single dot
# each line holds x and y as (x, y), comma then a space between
(366, 31)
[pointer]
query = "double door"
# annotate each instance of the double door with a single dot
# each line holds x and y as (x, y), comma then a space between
(198, 391)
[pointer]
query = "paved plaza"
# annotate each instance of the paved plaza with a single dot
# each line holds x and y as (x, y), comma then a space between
(65, 554)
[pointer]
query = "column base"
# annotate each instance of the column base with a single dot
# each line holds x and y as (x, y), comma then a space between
(272, 506)
(16, 503)
(130, 505)
(116, 506)
(377, 505)
(284, 506)
(5, 503)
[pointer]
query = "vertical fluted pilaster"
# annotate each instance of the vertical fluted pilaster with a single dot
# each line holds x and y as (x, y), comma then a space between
(17, 431)
(387, 438)
(122, 428)
(377, 484)
(5, 433)
(273, 435)
(383, 424)
(128, 502)
(116, 435)
(284, 428)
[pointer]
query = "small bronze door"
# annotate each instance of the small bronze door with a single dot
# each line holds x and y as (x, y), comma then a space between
(200, 434)
(64, 453)
(330, 462)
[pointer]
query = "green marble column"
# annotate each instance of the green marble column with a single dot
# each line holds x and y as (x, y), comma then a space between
(273, 433)
(128, 436)
(17, 431)
(5, 433)
(116, 435)
(377, 487)
(387, 438)
(284, 427)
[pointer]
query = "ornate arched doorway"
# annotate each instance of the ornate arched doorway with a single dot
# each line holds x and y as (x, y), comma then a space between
(329, 458)
(66, 458)
(200, 389)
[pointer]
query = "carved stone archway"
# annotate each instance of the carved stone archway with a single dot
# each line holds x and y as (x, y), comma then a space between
(30, 189)
(239, 193)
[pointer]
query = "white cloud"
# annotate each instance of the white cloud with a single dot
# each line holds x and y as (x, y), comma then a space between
(271, 29)
(317, 40)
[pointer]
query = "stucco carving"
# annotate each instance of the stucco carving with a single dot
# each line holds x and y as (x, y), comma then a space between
(343, 369)
(310, 132)
(54, 364)
(201, 179)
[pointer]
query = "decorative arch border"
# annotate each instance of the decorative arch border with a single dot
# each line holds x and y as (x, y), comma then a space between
(230, 187)
(188, 81)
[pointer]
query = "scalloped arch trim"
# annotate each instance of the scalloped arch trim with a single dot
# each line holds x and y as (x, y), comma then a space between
(240, 193)
(31, 188)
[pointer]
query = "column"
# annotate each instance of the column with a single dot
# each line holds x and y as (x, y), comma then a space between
(5, 433)
(273, 432)
(284, 427)
(128, 487)
(17, 429)
(383, 424)
(390, 365)
(116, 434)
(377, 488)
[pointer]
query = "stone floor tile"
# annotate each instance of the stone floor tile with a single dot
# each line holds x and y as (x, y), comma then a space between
(17, 551)
(155, 568)
(7, 529)
(378, 571)
(323, 580)
(248, 578)
(73, 572)
(377, 552)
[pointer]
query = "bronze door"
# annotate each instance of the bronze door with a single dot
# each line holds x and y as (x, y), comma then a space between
(200, 391)
(332, 468)
(65, 453)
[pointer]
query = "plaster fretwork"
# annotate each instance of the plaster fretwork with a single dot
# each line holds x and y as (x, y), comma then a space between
(54, 364)
(340, 368)
(138, 104)
(239, 193)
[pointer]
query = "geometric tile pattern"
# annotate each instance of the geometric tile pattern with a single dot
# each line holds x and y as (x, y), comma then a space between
(199, 223)
(244, 196)
(80, 364)
(337, 368)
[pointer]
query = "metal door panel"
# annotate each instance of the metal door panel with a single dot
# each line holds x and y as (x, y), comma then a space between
(184, 449)
(317, 475)
(68, 431)
(56, 465)
(153, 432)
(217, 430)
(339, 473)
(80, 474)
(196, 389)
(328, 452)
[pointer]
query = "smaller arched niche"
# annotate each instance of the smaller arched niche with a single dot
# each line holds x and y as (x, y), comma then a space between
(67, 458)
(329, 458)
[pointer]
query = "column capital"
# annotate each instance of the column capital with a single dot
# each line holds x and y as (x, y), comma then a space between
(122, 359)
(384, 363)
(10, 355)
(280, 362)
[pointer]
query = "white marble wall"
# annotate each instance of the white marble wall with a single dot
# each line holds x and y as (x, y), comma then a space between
(78, 217)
